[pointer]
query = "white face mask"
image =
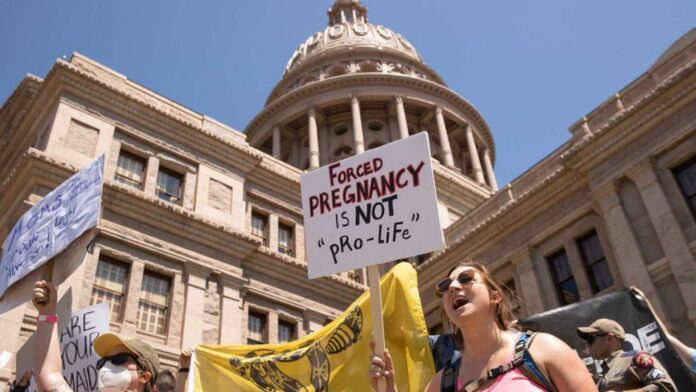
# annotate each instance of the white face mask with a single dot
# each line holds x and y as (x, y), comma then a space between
(114, 378)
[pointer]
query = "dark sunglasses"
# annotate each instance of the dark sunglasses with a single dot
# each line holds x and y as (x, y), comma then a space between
(464, 277)
(118, 359)
(591, 338)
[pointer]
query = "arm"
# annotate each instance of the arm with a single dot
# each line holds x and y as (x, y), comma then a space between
(182, 376)
(47, 361)
(564, 366)
(685, 353)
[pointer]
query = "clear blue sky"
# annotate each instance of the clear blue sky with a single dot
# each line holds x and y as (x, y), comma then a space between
(531, 67)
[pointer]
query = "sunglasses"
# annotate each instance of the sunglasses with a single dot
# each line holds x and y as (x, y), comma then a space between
(591, 338)
(118, 359)
(464, 278)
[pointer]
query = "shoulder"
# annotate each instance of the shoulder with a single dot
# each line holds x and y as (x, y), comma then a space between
(547, 345)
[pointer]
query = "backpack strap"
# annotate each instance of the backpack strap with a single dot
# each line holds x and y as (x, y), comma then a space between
(448, 382)
(528, 366)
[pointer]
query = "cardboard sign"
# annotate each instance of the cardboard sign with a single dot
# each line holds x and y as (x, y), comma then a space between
(52, 224)
(371, 208)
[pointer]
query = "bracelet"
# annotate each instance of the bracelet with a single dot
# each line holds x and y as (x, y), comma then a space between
(49, 318)
(183, 370)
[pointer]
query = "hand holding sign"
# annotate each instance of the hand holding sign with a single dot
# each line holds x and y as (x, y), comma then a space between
(44, 297)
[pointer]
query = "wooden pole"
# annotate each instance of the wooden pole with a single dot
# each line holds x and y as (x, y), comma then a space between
(662, 325)
(377, 320)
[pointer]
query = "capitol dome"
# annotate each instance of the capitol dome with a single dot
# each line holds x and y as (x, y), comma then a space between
(350, 44)
(355, 86)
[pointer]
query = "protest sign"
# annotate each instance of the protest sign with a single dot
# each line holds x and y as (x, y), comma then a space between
(371, 208)
(628, 309)
(77, 337)
(52, 224)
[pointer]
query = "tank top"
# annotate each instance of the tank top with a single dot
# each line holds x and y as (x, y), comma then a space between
(513, 380)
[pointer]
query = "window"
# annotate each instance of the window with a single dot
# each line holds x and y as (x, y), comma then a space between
(286, 331)
(110, 286)
(686, 177)
(353, 275)
(130, 170)
(563, 278)
(259, 223)
(340, 129)
(154, 298)
(257, 328)
(595, 262)
(285, 239)
(169, 184)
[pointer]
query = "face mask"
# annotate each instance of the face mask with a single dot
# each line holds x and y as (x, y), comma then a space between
(114, 378)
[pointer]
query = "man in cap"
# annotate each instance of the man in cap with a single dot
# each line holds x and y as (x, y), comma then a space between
(125, 364)
(623, 370)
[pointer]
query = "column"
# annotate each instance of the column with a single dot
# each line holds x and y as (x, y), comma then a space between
(295, 152)
(130, 312)
(447, 159)
(323, 143)
(357, 125)
(195, 305)
(577, 265)
(232, 309)
(463, 159)
(669, 233)
(401, 117)
(529, 287)
(629, 258)
(151, 175)
(473, 154)
(489, 169)
(276, 142)
(313, 139)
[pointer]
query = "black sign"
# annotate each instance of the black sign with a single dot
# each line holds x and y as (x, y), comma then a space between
(629, 309)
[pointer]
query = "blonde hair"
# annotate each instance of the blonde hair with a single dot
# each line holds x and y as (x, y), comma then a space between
(503, 314)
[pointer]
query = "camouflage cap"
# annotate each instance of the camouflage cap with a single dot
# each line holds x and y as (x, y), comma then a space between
(602, 325)
(108, 340)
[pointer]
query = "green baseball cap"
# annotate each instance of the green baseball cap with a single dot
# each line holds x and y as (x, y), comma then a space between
(603, 325)
(108, 340)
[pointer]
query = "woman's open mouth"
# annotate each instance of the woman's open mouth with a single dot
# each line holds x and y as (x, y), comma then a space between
(459, 302)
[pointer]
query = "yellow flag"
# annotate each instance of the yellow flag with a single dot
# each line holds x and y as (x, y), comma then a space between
(334, 358)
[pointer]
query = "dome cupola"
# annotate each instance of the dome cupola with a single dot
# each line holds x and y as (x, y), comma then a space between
(350, 44)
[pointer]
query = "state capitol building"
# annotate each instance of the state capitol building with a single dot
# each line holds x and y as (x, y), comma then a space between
(202, 241)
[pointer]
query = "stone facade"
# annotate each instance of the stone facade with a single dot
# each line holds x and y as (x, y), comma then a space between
(354, 86)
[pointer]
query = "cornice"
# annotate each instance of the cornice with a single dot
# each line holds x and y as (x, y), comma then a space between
(141, 111)
(599, 142)
(351, 80)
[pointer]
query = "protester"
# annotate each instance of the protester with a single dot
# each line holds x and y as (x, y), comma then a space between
(21, 384)
(125, 364)
(166, 381)
(686, 353)
(623, 370)
(491, 354)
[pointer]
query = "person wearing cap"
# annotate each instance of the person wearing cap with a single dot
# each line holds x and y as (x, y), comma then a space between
(623, 370)
(125, 364)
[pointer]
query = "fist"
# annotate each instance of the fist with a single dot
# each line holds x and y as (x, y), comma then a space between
(185, 357)
(44, 297)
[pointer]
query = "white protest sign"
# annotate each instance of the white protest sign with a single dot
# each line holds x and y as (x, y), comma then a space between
(371, 208)
(76, 342)
(52, 224)
(77, 335)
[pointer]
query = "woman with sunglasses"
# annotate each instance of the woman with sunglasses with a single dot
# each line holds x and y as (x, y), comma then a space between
(474, 303)
(125, 364)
